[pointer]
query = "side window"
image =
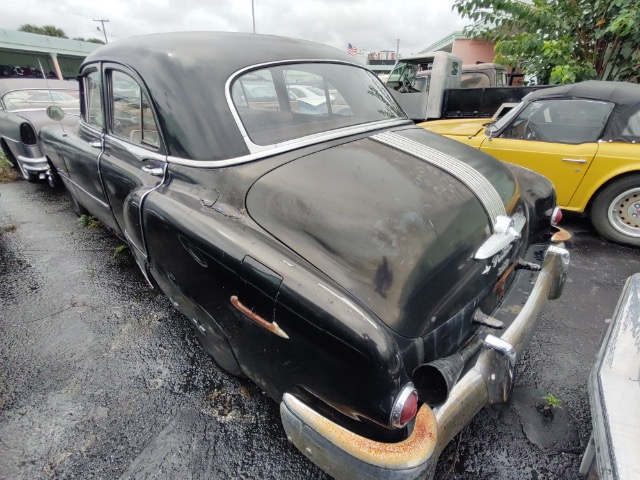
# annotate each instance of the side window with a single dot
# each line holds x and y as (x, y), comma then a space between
(560, 121)
(93, 99)
(632, 130)
(474, 80)
(132, 116)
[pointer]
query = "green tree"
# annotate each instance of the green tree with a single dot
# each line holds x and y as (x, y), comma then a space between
(90, 40)
(48, 30)
(561, 41)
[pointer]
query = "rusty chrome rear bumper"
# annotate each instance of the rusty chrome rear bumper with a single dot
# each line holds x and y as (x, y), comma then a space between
(346, 455)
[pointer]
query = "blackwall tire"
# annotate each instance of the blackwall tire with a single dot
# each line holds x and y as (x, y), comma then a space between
(616, 211)
(76, 206)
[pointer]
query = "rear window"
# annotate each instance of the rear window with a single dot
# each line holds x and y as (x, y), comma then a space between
(285, 102)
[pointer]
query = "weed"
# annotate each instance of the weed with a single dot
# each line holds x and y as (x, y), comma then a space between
(88, 221)
(8, 228)
(547, 409)
(552, 400)
(117, 252)
(7, 172)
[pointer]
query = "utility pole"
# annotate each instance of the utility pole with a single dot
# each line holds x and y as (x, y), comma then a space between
(103, 30)
(253, 16)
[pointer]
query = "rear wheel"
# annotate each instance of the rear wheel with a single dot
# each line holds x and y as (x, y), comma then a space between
(616, 211)
(77, 207)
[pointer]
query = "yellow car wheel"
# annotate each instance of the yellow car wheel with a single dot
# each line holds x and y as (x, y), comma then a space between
(616, 211)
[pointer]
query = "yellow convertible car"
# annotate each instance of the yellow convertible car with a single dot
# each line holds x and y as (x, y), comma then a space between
(585, 138)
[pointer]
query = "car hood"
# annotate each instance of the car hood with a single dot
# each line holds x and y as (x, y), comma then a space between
(394, 230)
(463, 127)
(39, 118)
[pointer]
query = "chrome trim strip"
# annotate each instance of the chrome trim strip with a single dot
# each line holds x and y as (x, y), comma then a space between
(398, 405)
(574, 160)
(473, 179)
(101, 202)
(291, 145)
(131, 242)
(143, 235)
(139, 151)
(22, 158)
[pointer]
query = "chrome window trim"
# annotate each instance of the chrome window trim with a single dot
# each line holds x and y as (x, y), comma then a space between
(108, 68)
(101, 202)
(291, 145)
(253, 147)
(138, 150)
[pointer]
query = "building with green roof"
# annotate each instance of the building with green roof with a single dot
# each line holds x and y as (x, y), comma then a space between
(22, 53)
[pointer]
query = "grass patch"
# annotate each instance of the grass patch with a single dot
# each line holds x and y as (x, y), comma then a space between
(88, 221)
(552, 400)
(117, 252)
(7, 172)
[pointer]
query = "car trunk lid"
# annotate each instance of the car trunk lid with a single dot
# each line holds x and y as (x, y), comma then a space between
(396, 231)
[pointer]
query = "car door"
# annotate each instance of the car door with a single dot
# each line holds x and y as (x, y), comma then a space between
(133, 162)
(85, 149)
(554, 137)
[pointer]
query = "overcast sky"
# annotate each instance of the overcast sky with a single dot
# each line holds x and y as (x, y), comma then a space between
(369, 25)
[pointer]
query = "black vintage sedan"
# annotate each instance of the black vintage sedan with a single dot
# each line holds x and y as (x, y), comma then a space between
(377, 280)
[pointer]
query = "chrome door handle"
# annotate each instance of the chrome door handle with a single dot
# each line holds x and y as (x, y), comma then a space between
(574, 160)
(95, 144)
(154, 171)
(270, 326)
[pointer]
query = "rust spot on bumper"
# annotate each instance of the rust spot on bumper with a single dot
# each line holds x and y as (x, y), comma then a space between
(410, 453)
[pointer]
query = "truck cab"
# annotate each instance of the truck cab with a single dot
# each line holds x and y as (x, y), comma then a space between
(418, 83)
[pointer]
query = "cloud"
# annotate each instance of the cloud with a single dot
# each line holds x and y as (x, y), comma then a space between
(370, 25)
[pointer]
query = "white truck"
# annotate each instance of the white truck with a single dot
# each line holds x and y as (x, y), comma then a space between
(436, 85)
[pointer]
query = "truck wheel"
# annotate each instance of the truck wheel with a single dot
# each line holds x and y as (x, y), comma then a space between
(616, 211)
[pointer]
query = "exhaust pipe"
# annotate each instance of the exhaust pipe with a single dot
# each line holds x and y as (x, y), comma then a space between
(434, 380)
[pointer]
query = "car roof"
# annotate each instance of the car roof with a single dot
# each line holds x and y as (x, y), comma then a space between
(621, 93)
(186, 74)
(8, 84)
(625, 97)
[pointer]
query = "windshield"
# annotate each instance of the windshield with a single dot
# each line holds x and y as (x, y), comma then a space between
(273, 111)
(32, 99)
(504, 121)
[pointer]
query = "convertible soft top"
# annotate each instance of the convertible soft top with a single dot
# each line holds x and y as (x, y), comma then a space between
(625, 96)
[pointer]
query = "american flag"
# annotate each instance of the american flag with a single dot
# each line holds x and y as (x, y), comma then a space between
(351, 50)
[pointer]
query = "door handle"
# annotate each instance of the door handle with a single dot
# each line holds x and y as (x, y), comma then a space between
(95, 144)
(271, 326)
(154, 171)
(574, 160)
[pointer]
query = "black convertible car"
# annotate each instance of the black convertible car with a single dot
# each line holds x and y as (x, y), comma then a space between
(377, 280)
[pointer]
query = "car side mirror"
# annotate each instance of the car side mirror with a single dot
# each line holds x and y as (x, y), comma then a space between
(55, 113)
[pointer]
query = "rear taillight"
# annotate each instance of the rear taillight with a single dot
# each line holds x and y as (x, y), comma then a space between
(28, 134)
(556, 216)
(405, 406)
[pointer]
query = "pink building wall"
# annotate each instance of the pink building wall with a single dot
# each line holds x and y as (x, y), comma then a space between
(473, 50)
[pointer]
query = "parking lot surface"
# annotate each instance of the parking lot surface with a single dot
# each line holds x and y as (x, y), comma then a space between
(101, 378)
